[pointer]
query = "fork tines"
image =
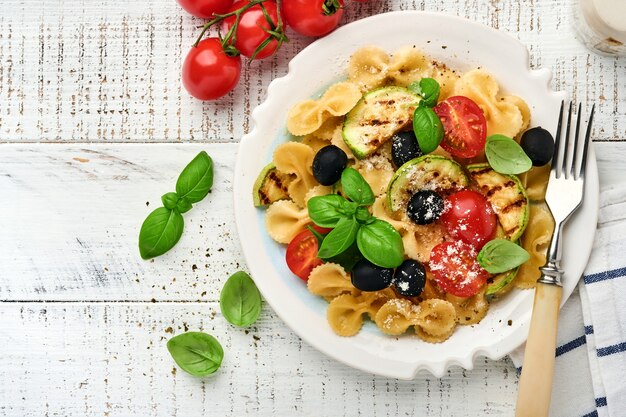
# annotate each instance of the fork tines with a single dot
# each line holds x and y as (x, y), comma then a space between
(566, 150)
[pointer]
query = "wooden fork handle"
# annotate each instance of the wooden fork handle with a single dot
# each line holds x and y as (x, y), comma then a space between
(535, 384)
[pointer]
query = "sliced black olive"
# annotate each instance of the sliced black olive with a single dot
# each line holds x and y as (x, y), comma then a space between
(410, 278)
(328, 164)
(369, 277)
(404, 147)
(538, 144)
(425, 207)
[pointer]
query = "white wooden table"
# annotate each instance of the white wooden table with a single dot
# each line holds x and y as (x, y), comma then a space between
(87, 89)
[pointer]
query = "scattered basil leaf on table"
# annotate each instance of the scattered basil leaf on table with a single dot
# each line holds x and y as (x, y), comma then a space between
(340, 238)
(160, 232)
(163, 227)
(196, 353)
(381, 244)
(326, 210)
(500, 255)
(427, 128)
(240, 300)
(196, 180)
(356, 188)
(506, 156)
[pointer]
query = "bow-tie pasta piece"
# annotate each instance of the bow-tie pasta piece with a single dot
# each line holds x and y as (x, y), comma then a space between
(446, 78)
(314, 142)
(317, 191)
(379, 210)
(308, 116)
(330, 280)
(470, 310)
(396, 315)
(502, 115)
(523, 108)
(345, 314)
(338, 141)
(408, 64)
(284, 220)
(329, 128)
(436, 320)
(535, 240)
(377, 169)
(297, 159)
(536, 182)
(376, 299)
(421, 239)
(368, 68)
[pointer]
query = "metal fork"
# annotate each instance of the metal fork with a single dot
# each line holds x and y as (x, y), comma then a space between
(564, 196)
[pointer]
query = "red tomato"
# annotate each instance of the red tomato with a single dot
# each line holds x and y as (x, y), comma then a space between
(307, 17)
(205, 8)
(301, 253)
(464, 125)
(208, 73)
(251, 30)
(468, 216)
(456, 270)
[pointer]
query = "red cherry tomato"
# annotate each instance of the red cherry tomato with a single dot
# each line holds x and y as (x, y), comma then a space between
(468, 216)
(456, 270)
(464, 125)
(205, 8)
(308, 17)
(208, 73)
(301, 253)
(251, 31)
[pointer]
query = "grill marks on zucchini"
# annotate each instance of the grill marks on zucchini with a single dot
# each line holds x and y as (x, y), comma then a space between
(271, 185)
(507, 197)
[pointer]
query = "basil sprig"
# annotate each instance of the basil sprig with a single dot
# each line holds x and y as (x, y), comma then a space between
(197, 353)
(240, 300)
(506, 156)
(163, 227)
(354, 227)
(428, 89)
(500, 255)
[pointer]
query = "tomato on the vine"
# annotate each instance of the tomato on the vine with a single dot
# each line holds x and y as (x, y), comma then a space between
(468, 216)
(456, 270)
(252, 29)
(208, 72)
(464, 125)
(205, 8)
(301, 255)
(313, 17)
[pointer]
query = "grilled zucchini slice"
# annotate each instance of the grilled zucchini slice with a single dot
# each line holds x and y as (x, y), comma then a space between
(271, 185)
(376, 117)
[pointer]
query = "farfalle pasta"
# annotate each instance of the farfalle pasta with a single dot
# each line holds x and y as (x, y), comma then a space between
(391, 189)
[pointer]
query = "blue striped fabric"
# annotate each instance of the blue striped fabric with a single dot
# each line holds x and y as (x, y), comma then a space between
(592, 414)
(609, 350)
(579, 341)
(601, 402)
(588, 329)
(603, 276)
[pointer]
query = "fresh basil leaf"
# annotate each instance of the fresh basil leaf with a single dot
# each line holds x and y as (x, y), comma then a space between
(196, 180)
(348, 208)
(348, 258)
(428, 129)
(160, 232)
(415, 88)
(356, 188)
(381, 244)
(197, 353)
(240, 300)
(506, 156)
(169, 200)
(430, 92)
(183, 205)
(327, 210)
(362, 214)
(339, 239)
(500, 255)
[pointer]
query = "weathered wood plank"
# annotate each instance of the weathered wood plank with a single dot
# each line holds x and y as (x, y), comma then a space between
(72, 215)
(70, 359)
(109, 70)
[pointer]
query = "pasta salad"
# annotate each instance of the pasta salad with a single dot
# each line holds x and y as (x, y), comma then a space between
(414, 195)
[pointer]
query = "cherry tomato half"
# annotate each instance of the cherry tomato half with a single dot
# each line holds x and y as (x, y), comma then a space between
(205, 8)
(301, 253)
(208, 73)
(456, 270)
(251, 31)
(464, 125)
(308, 17)
(468, 216)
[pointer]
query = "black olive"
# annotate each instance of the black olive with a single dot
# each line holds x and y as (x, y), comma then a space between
(328, 164)
(538, 145)
(410, 278)
(369, 277)
(425, 207)
(404, 147)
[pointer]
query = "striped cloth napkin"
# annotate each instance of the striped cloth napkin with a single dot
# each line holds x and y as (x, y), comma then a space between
(590, 370)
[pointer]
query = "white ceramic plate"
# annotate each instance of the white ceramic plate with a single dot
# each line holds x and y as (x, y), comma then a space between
(462, 45)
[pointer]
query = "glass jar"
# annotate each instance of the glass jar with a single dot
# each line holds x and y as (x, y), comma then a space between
(601, 25)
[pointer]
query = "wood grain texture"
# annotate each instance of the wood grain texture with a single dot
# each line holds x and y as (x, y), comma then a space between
(109, 70)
